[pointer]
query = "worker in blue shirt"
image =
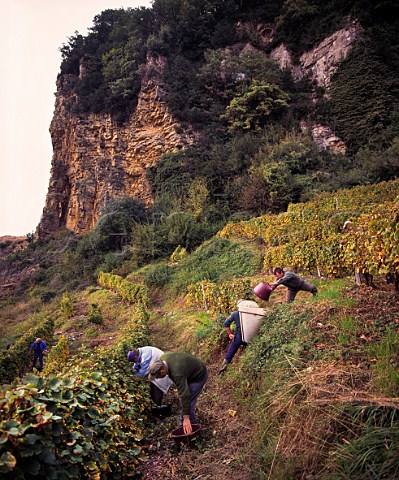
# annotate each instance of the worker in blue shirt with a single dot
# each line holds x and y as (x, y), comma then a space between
(38, 347)
(141, 358)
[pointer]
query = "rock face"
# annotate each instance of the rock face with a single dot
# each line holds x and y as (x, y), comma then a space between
(284, 59)
(320, 63)
(324, 138)
(94, 159)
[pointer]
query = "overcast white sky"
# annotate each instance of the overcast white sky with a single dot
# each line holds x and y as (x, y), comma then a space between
(31, 33)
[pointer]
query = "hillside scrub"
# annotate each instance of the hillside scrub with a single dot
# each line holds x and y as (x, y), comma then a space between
(315, 393)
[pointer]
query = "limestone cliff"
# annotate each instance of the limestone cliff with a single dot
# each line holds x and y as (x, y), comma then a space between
(94, 159)
(319, 65)
(322, 61)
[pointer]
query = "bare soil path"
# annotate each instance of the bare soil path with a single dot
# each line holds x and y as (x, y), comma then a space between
(222, 451)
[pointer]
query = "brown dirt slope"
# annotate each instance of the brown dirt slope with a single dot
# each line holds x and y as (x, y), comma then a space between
(227, 446)
(226, 432)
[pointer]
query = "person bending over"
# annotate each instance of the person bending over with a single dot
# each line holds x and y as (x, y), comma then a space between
(141, 358)
(189, 374)
(293, 282)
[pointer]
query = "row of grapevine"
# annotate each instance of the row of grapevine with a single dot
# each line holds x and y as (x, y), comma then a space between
(310, 236)
(16, 359)
(57, 356)
(374, 245)
(218, 297)
(80, 419)
(134, 293)
(352, 201)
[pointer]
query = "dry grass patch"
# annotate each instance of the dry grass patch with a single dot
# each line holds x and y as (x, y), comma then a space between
(311, 418)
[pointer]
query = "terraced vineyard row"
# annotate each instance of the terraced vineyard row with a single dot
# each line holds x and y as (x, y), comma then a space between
(311, 236)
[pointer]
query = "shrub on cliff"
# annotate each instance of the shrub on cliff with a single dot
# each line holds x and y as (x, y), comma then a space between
(116, 224)
(364, 100)
(160, 238)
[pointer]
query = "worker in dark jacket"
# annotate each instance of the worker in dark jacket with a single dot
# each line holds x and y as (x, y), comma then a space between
(38, 347)
(293, 282)
(189, 374)
(235, 338)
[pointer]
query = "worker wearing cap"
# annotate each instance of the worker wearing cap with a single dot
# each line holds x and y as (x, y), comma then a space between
(141, 358)
(189, 374)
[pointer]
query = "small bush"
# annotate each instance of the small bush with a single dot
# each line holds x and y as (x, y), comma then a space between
(179, 254)
(66, 305)
(57, 357)
(46, 297)
(115, 226)
(95, 315)
(158, 275)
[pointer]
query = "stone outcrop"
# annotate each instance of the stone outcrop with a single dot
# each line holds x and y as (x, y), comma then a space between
(320, 63)
(283, 57)
(324, 138)
(94, 159)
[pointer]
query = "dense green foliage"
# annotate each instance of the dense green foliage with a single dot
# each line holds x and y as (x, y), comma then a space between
(364, 101)
(116, 225)
(251, 173)
(110, 55)
(66, 305)
(84, 422)
(15, 360)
